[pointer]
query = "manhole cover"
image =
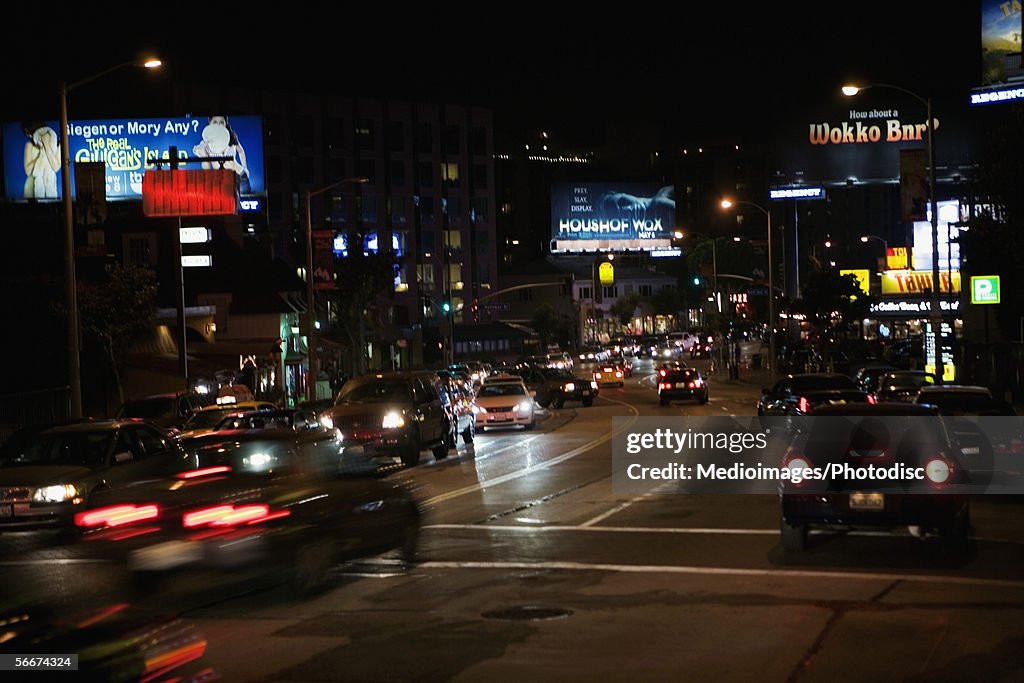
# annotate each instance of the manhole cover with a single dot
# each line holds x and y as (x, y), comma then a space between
(528, 613)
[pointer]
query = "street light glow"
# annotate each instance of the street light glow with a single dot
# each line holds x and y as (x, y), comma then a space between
(850, 90)
(152, 63)
(726, 204)
(864, 238)
(678, 234)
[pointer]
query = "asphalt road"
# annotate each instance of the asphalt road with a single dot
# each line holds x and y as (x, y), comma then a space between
(532, 567)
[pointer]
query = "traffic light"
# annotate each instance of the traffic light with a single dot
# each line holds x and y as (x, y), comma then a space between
(446, 306)
(696, 281)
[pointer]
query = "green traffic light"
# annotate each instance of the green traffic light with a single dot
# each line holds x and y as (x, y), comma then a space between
(696, 280)
(446, 307)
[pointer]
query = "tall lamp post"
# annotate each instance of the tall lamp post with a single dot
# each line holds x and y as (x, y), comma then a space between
(679, 234)
(310, 291)
(771, 284)
(74, 350)
(936, 313)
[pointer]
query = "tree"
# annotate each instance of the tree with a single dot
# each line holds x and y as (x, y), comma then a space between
(833, 303)
(360, 279)
(117, 312)
(545, 322)
(625, 306)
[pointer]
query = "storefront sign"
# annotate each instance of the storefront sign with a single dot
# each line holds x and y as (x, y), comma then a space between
(912, 308)
(919, 281)
(946, 342)
(606, 274)
(897, 258)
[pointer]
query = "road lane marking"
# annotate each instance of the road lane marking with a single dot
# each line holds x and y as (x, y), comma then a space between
(723, 571)
(30, 563)
(539, 466)
(613, 529)
(622, 506)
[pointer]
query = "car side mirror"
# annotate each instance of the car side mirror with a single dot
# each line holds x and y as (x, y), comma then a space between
(122, 457)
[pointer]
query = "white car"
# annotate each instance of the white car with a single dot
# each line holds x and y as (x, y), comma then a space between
(504, 404)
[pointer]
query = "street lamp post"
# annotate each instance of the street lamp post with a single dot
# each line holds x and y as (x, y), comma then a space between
(312, 360)
(593, 293)
(771, 285)
(74, 350)
(936, 313)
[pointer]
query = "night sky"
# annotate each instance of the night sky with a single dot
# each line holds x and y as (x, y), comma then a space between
(710, 69)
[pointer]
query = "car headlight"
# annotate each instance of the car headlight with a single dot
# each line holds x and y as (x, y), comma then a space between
(393, 421)
(525, 406)
(55, 494)
(593, 385)
(259, 462)
(326, 421)
(570, 386)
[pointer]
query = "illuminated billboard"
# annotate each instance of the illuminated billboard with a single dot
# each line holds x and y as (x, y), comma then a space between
(31, 152)
(1000, 41)
(612, 216)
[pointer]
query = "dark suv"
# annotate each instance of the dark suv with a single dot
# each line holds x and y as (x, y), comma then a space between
(393, 414)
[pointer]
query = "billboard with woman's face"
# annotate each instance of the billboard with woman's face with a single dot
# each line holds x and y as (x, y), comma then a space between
(31, 152)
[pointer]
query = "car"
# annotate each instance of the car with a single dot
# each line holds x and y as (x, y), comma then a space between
(170, 410)
(666, 368)
(207, 418)
(279, 418)
(504, 405)
(394, 414)
(594, 354)
(888, 435)
(902, 385)
(504, 378)
(610, 373)
(702, 348)
(49, 476)
(558, 359)
(681, 384)
(251, 502)
(556, 387)
(459, 400)
(626, 364)
(801, 394)
(959, 399)
(970, 406)
(869, 376)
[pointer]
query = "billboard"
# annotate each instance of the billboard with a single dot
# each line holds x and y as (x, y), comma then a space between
(612, 216)
(948, 237)
(1000, 41)
(31, 152)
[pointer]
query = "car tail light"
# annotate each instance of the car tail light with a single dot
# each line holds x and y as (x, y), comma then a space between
(116, 515)
(697, 383)
(231, 515)
(872, 399)
(662, 372)
(203, 472)
(796, 463)
(804, 406)
(618, 374)
(597, 375)
(666, 385)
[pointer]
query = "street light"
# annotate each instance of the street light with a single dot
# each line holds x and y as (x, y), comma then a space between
(74, 351)
(771, 284)
(936, 315)
(310, 291)
(866, 238)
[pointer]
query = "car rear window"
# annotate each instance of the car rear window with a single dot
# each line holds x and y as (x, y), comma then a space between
(821, 382)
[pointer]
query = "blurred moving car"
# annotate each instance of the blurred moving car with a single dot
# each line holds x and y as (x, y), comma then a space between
(48, 476)
(394, 414)
(881, 435)
(902, 385)
(701, 348)
(609, 373)
(114, 642)
(163, 410)
(255, 501)
(680, 384)
(960, 399)
(504, 405)
(280, 418)
(802, 394)
(206, 419)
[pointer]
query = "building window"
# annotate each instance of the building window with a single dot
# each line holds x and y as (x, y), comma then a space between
(337, 169)
(338, 209)
(644, 290)
(506, 208)
(272, 170)
(451, 139)
(396, 210)
(450, 174)
(480, 176)
(368, 170)
(368, 208)
(610, 292)
(584, 292)
(426, 173)
(479, 211)
(397, 173)
(425, 275)
(335, 132)
(453, 208)
(365, 134)
(425, 138)
(455, 276)
(396, 136)
(304, 170)
(427, 241)
(478, 140)
(453, 239)
(526, 295)
(303, 131)
(426, 205)
(140, 249)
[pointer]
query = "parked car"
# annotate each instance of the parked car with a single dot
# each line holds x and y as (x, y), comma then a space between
(50, 475)
(252, 501)
(681, 384)
(898, 437)
(504, 405)
(393, 414)
(801, 394)
(902, 385)
(164, 410)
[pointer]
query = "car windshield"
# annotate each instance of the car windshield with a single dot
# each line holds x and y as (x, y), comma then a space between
(821, 383)
(86, 449)
(958, 401)
(148, 408)
(268, 421)
(206, 419)
(501, 390)
(377, 391)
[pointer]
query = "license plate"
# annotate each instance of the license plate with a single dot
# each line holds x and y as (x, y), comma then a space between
(867, 501)
(680, 385)
(6, 510)
(586, 392)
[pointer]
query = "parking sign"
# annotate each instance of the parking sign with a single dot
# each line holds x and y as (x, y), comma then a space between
(985, 289)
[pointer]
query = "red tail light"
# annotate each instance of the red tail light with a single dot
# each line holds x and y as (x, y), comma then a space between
(804, 406)
(204, 472)
(872, 400)
(662, 372)
(116, 515)
(666, 385)
(230, 515)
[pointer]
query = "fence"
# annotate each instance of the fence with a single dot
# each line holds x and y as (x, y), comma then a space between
(33, 407)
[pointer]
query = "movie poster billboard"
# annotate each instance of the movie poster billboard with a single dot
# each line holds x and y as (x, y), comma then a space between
(1000, 41)
(127, 147)
(588, 216)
